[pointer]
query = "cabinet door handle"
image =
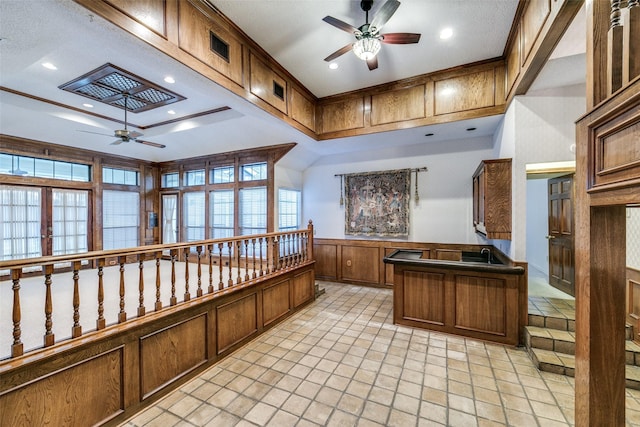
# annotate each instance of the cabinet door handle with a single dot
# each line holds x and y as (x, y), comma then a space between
(549, 237)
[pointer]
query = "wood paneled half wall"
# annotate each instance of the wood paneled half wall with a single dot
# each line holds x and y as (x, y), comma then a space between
(113, 374)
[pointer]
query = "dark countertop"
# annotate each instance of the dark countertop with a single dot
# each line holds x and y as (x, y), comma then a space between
(413, 257)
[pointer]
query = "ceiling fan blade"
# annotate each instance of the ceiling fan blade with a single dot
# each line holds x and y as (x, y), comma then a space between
(117, 142)
(385, 12)
(340, 24)
(135, 134)
(400, 38)
(372, 63)
(339, 52)
(96, 133)
(152, 144)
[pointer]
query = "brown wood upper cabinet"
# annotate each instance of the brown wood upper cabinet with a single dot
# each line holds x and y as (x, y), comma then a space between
(492, 199)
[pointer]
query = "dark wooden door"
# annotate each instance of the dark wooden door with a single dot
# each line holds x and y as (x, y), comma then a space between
(561, 234)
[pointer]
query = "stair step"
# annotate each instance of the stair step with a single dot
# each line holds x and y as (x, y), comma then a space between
(563, 322)
(564, 342)
(564, 364)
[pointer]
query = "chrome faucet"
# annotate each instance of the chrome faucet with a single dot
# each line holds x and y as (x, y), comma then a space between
(488, 251)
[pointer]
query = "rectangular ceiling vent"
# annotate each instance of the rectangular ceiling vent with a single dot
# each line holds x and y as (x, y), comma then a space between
(219, 46)
(109, 84)
(278, 90)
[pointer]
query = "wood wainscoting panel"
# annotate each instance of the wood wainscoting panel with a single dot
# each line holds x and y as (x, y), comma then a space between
(633, 301)
(424, 297)
(303, 288)
(150, 13)
(195, 29)
(615, 148)
(267, 85)
(360, 264)
(303, 110)
(275, 301)
(326, 260)
(449, 254)
(84, 394)
(342, 115)
(236, 321)
(513, 62)
(168, 354)
(488, 299)
(532, 22)
(398, 105)
(466, 92)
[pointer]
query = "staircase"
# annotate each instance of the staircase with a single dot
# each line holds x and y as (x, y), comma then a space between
(550, 339)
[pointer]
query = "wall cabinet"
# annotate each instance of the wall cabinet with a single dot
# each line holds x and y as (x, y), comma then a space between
(492, 199)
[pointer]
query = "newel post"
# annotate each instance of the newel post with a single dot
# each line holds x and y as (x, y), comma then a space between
(310, 241)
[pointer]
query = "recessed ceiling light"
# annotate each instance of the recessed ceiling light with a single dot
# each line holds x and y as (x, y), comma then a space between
(49, 66)
(470, 129)
(334, 65)
(171, 112)
(428, 134)
(87, 105)
(169, 79)
(446, 33)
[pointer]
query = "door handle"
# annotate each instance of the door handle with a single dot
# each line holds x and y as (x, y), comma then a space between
(549, 237)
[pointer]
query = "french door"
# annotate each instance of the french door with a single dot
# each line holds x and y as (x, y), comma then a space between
(37, 221)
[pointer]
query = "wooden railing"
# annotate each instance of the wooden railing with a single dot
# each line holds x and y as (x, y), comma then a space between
(115, 279)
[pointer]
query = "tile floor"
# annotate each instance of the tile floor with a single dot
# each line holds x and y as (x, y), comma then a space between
(342, 362)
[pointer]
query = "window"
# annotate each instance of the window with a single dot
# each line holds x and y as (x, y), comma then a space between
(120, 176)
(70, 214)
(43, 168)
(288, 209)
(253, 210)
(222, 175)
(19, 223)
(194, 177)
(170, 180)
(221, 212)
(253, 172)
(194, 216)
(120, 219)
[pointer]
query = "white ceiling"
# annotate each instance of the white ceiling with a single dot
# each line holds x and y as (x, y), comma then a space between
(291, 31)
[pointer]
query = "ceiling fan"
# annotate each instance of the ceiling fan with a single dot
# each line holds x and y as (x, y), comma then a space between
(368, 37)
(125, 135)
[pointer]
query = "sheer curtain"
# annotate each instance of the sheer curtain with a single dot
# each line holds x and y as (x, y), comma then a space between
(70, 215)
(20, 210)
(170, 218)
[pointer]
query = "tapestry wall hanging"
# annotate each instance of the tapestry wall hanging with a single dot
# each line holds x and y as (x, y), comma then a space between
(377, 203)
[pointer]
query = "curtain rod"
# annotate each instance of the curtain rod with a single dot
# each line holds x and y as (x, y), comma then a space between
(422, 169)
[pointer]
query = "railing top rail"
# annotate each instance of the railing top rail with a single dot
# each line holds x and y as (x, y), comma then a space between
(95, 255)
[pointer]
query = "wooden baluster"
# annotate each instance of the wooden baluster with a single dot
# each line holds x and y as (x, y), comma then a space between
(239, 259)
(187, 295)
(100, 321)
(158, 283)
(296, 248)
(221, 283)
(49, 337)
(261, 242)
(17, 348)
(76, 330)
(614, 49)
(122, 315)
(253, 255)
(141, 308)
(275, 254)
(173, 300)
(631, 41)
(199, 252)
(290, 253)
(246, 260)
(230, 247)
(210, 250)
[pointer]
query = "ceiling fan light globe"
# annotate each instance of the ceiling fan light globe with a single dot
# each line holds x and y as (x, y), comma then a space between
(366, 48)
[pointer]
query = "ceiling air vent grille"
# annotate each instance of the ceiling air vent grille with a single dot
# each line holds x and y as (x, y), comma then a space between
(109, 84)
